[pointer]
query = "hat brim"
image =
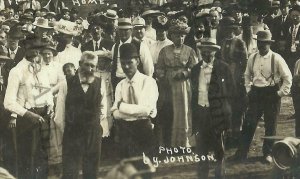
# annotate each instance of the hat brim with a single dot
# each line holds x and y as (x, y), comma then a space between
(44, 27)
(114, 18)
(125, 27)
(255, 38)
(152, 14)
(212, 47)
(139, 25)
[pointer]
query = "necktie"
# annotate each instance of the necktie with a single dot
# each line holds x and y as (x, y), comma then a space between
(293, 48)
(131, 95)
(12, 55)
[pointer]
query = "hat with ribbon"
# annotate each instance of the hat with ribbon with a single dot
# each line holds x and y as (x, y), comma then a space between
(178, 28)
(49, 44)
(111, 14)
(67, 27)
(139, 22)
(42, 23)
(124, 23)
(208, 43)
(151, 12)
(128, 51)
(264, 36)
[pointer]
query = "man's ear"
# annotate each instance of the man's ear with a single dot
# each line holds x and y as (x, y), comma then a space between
(138, 60)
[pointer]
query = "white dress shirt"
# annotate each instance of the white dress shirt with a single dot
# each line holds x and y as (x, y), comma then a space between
(157, 46)
(145, 57)
(259, 74)
(26, 90)
(146, 94)
(71, 54)
(150, 33)
(204, 81)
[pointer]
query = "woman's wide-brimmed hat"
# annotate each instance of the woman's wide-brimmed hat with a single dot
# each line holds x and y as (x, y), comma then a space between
(42, 23)
(264, 36)
(209, 43)
(178, 28)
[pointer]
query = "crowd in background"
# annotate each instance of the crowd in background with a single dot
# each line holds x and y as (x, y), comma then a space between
(203, 75)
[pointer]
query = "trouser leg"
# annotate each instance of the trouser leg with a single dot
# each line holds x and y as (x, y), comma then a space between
(271, 110)
(91, 156)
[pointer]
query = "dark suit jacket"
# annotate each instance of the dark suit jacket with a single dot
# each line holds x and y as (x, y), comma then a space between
(220, 92)
(13, 5)
(279, 26)
(12, 63)
(107, 44)
(289, 39)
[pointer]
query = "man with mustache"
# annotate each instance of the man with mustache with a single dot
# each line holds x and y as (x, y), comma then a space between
(85, 106)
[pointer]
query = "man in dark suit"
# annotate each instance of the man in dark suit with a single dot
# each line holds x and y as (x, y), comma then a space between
(293, 37)
(212, 88)
(98, 42)
(280, 29)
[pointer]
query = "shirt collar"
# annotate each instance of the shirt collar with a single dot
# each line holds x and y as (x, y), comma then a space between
(96, 42)
(127, 41)
(209, 65)
(135, 77)
(15, 51)
(267, 55)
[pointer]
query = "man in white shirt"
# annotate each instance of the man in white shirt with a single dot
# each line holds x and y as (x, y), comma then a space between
(161, 42)
(267, 79)
(146, 63)
(139, 31)
(29, 98)
(134, 106)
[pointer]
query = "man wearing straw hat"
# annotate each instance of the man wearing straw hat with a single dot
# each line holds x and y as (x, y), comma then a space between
(212, 90)
(267, 79)
(146, 64)
(139, 30)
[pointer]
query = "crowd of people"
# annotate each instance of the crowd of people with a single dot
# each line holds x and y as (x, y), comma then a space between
(174, 74)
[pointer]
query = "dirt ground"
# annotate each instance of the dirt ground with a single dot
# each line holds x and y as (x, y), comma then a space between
(252, 168)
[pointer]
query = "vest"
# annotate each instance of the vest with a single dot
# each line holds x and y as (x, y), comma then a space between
(83, 109)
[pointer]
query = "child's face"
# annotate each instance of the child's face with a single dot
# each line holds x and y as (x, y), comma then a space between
(104, 65)
(69, 72)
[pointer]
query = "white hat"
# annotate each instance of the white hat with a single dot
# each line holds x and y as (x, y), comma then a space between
(67, 27)
(139, 22)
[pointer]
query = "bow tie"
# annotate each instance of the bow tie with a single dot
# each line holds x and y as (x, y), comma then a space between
(85, 82)
(206, 65)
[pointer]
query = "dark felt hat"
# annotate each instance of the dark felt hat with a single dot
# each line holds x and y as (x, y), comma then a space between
(128, 51)
(264, 36)
(33, 42)
(15, 32)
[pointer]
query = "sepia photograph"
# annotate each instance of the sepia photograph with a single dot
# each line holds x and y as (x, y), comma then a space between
(149, 89)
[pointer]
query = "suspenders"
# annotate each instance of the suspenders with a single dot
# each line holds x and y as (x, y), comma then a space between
(272, 67)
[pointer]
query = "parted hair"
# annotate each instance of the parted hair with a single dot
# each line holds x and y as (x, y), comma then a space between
(88, 55)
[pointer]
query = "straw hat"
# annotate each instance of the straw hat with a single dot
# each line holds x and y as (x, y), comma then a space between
(124, 23)
(139, 22)
(43, 23)
(209, 43)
